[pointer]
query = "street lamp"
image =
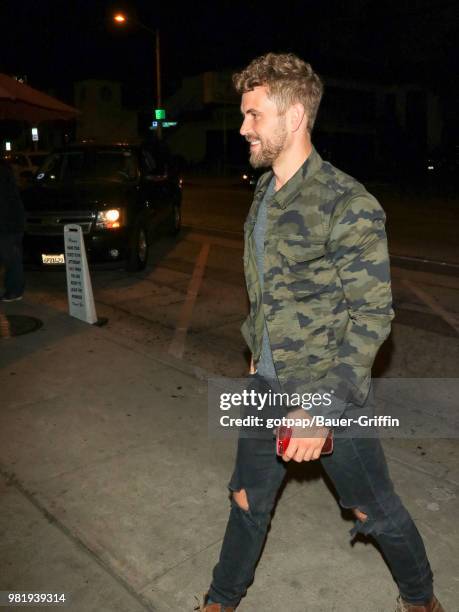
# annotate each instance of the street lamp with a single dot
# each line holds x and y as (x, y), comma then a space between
(122, 19)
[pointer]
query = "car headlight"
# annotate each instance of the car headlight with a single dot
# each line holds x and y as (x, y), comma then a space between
(112, 218)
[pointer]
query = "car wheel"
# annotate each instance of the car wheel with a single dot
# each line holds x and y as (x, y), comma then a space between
(138, 252)
(176, 223)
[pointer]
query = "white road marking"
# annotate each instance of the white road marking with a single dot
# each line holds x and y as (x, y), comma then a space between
(433, 305)
(215, 240)
(448, 264)
(177, 346)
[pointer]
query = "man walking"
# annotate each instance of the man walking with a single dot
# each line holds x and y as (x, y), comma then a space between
(11, 235)
(318, 279)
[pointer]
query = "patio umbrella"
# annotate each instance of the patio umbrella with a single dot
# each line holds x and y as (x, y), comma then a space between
(21, 102)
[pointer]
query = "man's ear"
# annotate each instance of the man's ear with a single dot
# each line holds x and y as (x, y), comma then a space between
(298, 117)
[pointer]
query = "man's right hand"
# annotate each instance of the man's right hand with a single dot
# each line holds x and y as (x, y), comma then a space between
(252, 368)
(306, 442)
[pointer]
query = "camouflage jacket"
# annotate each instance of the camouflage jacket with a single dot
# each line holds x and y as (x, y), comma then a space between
(327, 299)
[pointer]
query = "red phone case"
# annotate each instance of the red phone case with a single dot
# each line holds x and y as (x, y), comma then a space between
(284, 434)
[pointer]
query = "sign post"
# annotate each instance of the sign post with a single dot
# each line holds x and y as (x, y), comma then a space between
(79, 288)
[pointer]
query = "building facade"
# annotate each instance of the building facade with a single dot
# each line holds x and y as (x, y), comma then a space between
(103, 117)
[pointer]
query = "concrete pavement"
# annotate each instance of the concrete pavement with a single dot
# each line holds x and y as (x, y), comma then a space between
(112, 492)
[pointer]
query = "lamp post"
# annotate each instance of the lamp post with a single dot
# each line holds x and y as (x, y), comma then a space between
(122, 19)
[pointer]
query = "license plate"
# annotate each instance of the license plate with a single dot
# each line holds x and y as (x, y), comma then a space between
(53, 259)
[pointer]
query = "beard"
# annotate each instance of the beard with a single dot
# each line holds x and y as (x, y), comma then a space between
(269, 148)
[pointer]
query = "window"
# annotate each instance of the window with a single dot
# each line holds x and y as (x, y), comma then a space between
(90, 165)
(20, 160)
(148, 163)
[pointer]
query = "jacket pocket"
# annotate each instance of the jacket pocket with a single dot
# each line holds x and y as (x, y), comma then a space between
(298, 249)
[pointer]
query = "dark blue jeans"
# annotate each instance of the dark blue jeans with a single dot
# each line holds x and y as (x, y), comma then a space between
(358, 471)
(11, 259)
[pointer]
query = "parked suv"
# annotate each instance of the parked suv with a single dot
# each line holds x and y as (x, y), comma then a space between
(117, 193)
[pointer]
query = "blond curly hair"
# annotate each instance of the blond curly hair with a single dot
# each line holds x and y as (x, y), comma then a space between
(289, 80)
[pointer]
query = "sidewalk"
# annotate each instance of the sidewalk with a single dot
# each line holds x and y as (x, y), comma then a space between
(112, 493)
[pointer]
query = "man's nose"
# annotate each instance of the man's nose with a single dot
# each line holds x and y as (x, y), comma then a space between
(244, 127)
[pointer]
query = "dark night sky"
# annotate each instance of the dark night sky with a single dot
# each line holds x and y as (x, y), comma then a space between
(56, 42)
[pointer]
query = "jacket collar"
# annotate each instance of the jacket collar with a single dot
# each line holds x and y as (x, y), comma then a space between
(289, 191)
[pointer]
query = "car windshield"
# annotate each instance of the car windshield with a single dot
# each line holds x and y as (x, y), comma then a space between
(80, 166)
(38, 159)
(19, 160)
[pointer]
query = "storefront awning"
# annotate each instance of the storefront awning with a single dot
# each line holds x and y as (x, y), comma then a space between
(21, 102)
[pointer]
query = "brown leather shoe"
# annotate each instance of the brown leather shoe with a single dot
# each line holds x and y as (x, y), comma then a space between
(433, 606)
(214, 607)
